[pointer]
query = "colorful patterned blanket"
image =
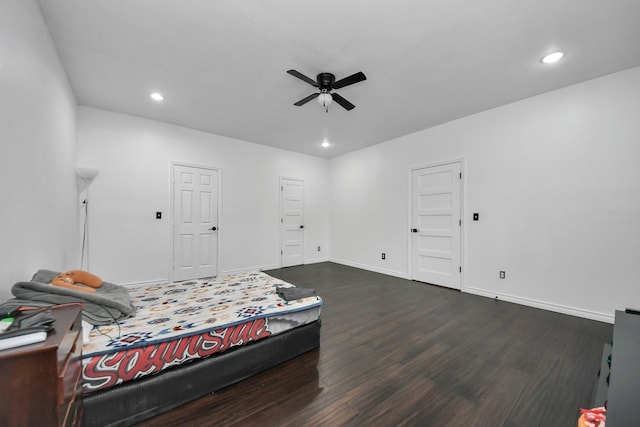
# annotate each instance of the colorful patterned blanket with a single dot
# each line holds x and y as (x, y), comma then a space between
(169, 311)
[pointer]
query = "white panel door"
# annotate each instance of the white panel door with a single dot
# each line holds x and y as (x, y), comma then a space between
(292, 221)
(195, 222)
(436, 225)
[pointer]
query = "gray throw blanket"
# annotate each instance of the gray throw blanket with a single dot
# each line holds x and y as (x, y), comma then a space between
(109, 304)
(294, 293)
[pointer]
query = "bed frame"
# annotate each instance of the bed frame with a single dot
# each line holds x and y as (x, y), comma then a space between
(133, 402)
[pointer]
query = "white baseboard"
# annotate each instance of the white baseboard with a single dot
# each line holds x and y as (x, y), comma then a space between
(241, 270)
(226, 272)
(148, 282)
(306, 261)
(399, 274)
(316, 260)
(557, 308)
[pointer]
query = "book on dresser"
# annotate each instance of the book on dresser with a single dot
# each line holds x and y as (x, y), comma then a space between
(20, 337)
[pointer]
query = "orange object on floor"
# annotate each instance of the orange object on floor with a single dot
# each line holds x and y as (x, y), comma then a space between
(594, 417)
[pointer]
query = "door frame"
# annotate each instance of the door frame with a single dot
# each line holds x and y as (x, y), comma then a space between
(171, 218)
(280, 213)
(463, 234)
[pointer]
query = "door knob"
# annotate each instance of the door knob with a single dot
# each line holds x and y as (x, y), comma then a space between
(302, 226)
(213, 228)
(414, 230)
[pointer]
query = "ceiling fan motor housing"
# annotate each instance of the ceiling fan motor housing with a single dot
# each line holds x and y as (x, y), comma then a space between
(325, 81)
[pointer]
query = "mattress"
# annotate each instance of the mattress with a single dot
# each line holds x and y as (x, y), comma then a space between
(180, 322)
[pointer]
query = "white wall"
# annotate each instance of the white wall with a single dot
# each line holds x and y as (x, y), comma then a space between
(134, 155)
(38, 148)
(555, 178)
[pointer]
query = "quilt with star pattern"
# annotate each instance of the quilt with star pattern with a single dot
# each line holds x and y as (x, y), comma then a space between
(184, 321)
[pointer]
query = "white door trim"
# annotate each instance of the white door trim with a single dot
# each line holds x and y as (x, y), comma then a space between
(170, 217)
(463, 234)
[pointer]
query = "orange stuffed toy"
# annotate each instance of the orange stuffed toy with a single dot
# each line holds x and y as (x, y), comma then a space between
(78, 280)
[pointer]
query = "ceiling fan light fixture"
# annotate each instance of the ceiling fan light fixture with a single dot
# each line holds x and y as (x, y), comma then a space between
(325, 99)
(156, 96)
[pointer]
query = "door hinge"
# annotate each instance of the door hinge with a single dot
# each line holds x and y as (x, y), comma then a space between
(282, 188)
(460, 175)
(460, 222)
(281, 220)
(460, 269)
(280, 252)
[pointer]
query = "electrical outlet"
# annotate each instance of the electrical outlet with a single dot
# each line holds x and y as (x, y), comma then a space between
(502, 275)
(158, 215)
(384, 256)
(318, 248)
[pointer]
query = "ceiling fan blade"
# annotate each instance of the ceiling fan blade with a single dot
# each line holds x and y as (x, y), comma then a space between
(307, 99)
(354, 78)
(303, 77)
(343, 102)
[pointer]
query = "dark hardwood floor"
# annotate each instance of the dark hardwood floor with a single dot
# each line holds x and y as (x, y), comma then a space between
(400, 353)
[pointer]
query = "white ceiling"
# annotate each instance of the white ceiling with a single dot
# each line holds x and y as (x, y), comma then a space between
(221, 64)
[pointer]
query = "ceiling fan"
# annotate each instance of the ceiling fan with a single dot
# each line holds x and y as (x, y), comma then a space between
(326, 82)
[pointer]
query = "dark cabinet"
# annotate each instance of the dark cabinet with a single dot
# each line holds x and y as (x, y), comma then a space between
(42, 382)
(622, 372)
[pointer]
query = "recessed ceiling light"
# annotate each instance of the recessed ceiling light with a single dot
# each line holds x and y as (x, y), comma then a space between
(325, 144)
(157, 96)
(552, 57)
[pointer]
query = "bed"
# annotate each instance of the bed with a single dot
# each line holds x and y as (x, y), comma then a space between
(188, 339)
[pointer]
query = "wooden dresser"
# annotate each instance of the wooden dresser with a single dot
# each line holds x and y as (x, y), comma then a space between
(42, 383)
